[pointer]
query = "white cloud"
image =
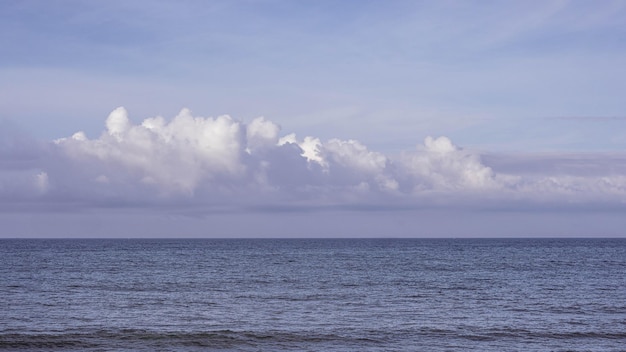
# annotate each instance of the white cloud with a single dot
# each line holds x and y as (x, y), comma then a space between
(22, 184)
(440, 165)
(41, 182)
(117, 123)
(192, 161)
(174, 156)
(261, 133)
(311, 147)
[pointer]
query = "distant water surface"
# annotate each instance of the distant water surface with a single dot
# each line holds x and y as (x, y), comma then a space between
(313, 295)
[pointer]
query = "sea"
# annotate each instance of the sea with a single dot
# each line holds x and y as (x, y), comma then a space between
(313, 294)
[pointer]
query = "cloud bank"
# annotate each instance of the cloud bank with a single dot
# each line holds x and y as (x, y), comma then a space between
(206, 164)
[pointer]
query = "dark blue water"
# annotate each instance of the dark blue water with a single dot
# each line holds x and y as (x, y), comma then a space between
(313, 295)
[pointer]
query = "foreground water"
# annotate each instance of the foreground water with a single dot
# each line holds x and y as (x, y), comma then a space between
(313, 295)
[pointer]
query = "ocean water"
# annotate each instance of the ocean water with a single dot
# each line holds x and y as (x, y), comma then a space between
(313, 295)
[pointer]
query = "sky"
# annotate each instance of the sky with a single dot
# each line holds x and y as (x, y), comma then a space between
(312, 118)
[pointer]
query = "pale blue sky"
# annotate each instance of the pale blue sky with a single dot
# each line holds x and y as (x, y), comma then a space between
(527, 96)
(514, 75)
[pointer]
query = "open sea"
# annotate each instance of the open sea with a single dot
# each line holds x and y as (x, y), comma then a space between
(313, 295)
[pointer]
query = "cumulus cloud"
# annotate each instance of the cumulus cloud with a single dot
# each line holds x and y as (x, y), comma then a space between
(440, 165)
(223, 162)
(171, 157)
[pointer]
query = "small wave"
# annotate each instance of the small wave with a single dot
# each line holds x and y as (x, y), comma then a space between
(44, 341)
(149, 340)
(493, 335)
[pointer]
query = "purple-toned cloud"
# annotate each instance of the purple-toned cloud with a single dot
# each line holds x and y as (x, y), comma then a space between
(217, 164)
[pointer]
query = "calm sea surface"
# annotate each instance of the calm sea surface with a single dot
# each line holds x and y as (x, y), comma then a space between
(313, 295)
